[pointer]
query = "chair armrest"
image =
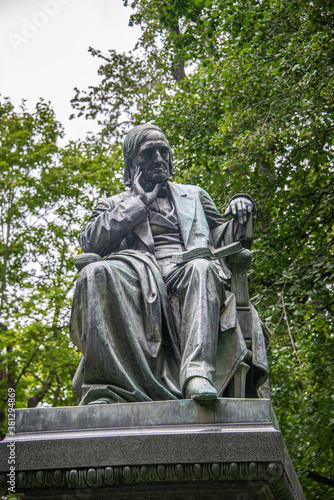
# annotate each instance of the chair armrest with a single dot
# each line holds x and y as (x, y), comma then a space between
(240, 262)
(84, 259)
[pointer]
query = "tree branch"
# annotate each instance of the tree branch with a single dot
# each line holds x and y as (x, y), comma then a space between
(320, 479)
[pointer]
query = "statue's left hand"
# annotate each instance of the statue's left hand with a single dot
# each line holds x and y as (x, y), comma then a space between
(240, 208)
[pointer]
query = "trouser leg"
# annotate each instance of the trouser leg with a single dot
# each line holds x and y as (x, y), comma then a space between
(119, 333)
(201, 293)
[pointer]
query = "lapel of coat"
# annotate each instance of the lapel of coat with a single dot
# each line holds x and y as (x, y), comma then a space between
(185, 206)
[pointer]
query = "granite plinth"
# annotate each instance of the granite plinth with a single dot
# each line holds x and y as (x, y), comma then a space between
(152, 450)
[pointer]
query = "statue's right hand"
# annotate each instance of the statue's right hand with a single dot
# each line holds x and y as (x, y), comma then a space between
(240, 209)
(146, 197)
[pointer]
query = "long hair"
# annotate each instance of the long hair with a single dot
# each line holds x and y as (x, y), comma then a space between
(131, 146)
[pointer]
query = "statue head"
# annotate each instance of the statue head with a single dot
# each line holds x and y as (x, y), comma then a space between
(131, 145)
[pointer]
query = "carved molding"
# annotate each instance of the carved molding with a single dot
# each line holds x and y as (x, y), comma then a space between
(272, 473)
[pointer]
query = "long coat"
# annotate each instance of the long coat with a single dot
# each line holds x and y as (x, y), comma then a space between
(120, 225)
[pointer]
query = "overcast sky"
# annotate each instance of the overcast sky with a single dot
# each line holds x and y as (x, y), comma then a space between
(43, 50)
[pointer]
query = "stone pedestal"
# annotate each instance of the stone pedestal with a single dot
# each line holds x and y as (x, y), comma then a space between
(230, 449)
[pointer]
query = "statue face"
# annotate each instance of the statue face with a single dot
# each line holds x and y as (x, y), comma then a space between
(153, 158)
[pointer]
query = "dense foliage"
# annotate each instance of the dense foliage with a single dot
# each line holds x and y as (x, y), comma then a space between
(35, 256)
(253, 114)
(45, 194)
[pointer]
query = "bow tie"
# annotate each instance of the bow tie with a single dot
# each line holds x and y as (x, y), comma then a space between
(163, 192)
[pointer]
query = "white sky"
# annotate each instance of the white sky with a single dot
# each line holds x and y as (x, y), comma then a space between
(43, 50)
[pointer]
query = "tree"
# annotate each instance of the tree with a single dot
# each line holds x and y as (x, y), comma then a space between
(255, 114)
(46, 192)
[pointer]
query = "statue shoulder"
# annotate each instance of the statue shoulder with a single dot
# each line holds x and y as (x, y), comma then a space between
(191, 190)
(186, 188)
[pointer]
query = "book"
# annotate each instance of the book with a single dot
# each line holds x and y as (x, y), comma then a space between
(207, 253)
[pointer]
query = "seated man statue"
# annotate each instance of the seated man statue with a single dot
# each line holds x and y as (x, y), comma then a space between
(150, 325)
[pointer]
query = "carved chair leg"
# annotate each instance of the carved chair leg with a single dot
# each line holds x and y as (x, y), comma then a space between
(240, 264)
(237, 388)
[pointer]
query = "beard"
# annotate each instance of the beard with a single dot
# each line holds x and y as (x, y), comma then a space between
(149, 186)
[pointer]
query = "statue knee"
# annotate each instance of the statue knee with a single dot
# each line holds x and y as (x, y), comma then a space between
(91, 270)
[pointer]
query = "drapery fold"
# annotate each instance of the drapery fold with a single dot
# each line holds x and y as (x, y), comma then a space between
(126, 329)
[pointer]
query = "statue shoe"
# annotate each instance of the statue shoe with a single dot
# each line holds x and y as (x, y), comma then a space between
(200, 389)
(100, 402)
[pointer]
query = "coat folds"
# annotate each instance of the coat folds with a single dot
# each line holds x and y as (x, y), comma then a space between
(126, 318)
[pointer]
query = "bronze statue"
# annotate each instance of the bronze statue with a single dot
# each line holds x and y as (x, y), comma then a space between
(154, 316)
